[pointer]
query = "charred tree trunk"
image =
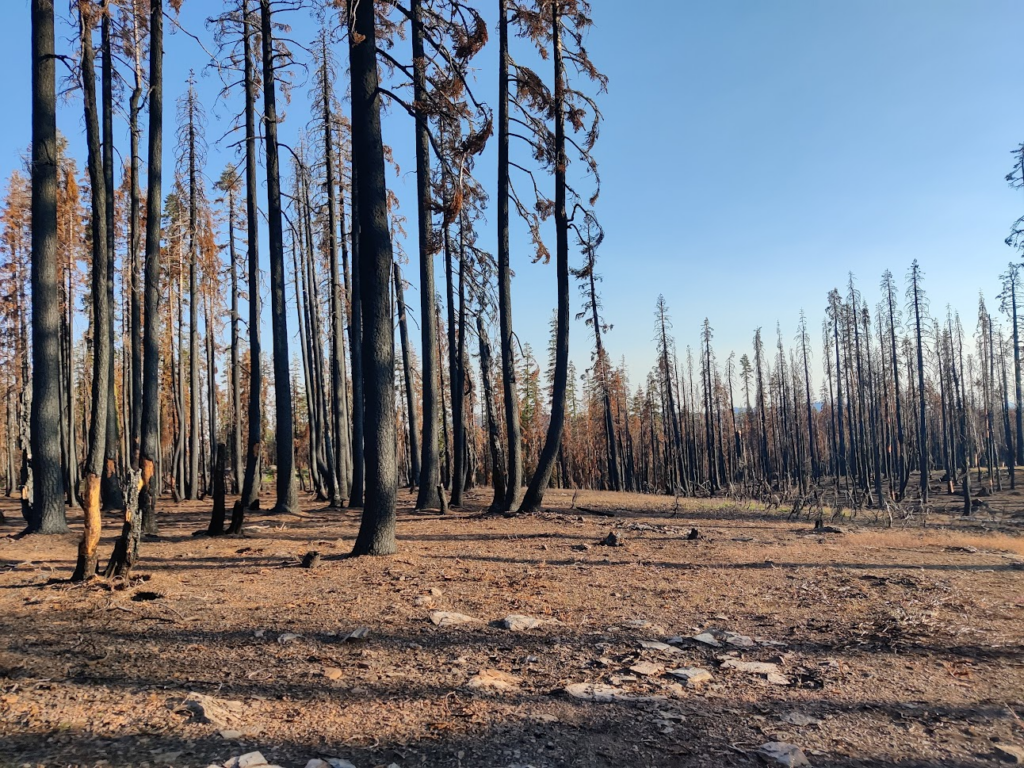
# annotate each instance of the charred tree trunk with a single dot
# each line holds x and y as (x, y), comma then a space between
(253, 455)
(47, 515)
(111, 484)
(513, 426)
(87, 555)
(410, 399)
(377, 530)
(284, 432)
(545, 464)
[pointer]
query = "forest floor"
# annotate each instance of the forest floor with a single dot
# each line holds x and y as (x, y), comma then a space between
(891, 647)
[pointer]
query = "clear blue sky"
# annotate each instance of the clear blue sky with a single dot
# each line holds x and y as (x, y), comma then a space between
(753, 153)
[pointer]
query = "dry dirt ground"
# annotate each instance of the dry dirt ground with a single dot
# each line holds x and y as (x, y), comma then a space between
(900, 647)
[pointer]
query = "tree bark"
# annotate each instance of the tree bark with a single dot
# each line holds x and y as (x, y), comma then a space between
(429, 477)
(545, 464)
(47, 515)
(253, 471)
(513, 426)
(377, 530)
(410, 399)
(87, 555)
(284, 433)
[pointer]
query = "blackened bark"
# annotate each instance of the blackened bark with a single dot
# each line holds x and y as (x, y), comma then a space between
(356, 348)
(135, 216)
(236, 373)
(493, 433)
(513, 426)
(87, 555)
(284, 433)
(429, 477)
(337, 332)
(546, 462)
(410, 399)
(111, 486)
(253, 454)
(377, 530)
(47, 514)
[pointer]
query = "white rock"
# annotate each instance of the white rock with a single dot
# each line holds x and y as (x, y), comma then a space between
(595, 692)
(230, 734)
(781, 753)
(647, 668)
(287, 637)
(692, 676)
(251, 760)
(751, 667)
(707, 639)
(654, 645)
(449, 619)
(317, 763)
(519, 623)
(737, 640)
(337, 762)
(605, 693)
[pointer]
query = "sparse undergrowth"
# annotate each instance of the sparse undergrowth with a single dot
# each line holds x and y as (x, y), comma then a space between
(869, 647)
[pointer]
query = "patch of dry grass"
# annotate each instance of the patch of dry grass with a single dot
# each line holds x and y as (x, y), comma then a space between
(997, 542)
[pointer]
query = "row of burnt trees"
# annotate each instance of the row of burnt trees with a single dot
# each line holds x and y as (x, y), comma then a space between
(154, 414)
(900, 394)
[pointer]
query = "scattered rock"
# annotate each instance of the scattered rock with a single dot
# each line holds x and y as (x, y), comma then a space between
(654, 645)
(605, 693)
(799, 719)
(612, 540)
(317, 763)
(220, 713)
(423, 601)
(493, 679)
(707, 639)
(436, 592)
(450, 619)
(311, 559)
(230, 734)
(251, 760)
(337, 762)
(781, 753)
(333, 673)
(769, 670)
(692, 676)
(517, 622)
(647, 668)
(737, 640)
(1010, 753)
(287, 637)
(360, 633)
(580, 547)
